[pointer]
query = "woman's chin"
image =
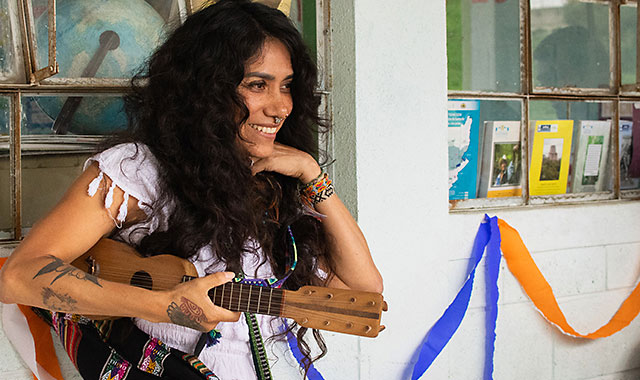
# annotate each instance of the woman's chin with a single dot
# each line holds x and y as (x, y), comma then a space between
(260, 152)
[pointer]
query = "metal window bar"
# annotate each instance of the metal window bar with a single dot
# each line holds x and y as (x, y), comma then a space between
(26, 18)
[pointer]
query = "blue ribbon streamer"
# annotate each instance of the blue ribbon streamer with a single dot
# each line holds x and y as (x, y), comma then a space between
(492, 260)
(488, 236)
(313, 373)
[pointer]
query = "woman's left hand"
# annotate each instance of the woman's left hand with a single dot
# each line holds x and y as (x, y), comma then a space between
(288, 161)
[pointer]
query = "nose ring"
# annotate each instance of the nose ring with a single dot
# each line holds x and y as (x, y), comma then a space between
(277, 120)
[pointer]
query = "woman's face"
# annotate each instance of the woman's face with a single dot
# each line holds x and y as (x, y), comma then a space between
(266, 92)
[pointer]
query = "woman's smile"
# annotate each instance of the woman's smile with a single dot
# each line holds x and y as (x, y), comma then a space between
(271, 131)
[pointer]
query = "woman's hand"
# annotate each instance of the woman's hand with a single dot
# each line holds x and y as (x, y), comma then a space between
(288, 161)
(190, 305)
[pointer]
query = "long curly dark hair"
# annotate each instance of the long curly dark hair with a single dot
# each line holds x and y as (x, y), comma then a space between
(184, 106)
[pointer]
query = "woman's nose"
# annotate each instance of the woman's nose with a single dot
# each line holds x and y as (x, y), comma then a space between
(279, 104)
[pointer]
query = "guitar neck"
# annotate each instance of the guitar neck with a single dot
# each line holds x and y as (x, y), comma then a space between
(248, 298)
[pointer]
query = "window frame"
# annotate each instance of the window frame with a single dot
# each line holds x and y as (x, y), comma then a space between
(616, 93)
(39, 81)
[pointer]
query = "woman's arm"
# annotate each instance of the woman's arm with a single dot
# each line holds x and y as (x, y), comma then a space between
(38, 272)
(353, 264)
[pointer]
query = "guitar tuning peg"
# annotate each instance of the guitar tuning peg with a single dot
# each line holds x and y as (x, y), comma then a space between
(385, 307)
(381, 328)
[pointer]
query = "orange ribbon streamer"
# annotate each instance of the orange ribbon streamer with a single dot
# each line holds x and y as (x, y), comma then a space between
(41, 332)
(539, 291)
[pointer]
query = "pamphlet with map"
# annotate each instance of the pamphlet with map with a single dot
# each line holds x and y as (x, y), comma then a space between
(549, 170)
(592, 152)
(462, 141)
(505, 165)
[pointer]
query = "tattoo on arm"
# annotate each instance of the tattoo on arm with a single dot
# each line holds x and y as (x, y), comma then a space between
(187, 314)
(58, 302)
(58, 266)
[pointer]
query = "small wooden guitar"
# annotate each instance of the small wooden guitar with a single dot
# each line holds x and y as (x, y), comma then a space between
(340, 310)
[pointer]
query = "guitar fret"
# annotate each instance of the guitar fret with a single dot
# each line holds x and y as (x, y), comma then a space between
(259, 298)
(230, 297)
(222, 296)
(240, 297)
(215, 290)
(270, 294)
(249, 299)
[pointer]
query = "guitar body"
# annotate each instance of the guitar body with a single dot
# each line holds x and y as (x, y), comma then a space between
(119, 262)
(340, 310)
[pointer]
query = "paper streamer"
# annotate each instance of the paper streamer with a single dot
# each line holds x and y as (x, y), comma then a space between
(496, 235)
(492, 261)
(313, 373)
(442, 331)
(31, 338)
(539, 291)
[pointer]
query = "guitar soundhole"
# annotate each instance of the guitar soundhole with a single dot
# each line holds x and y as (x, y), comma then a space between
(142, 279)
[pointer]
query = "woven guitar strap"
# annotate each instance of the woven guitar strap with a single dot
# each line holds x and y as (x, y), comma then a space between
(257, 348)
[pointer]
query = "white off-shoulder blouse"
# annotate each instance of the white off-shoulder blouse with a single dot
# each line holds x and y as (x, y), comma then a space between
(134, 169)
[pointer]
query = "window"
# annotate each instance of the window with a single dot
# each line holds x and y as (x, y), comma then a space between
(544, 100)
(64, 66)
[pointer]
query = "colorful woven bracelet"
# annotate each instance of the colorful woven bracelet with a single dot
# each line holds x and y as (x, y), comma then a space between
(317, 190)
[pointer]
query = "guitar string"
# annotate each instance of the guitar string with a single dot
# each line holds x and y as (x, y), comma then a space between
(125, 277)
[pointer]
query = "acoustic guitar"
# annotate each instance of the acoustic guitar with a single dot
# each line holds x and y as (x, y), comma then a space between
(339, 310)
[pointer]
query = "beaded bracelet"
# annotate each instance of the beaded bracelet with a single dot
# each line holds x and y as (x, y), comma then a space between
(317, 190)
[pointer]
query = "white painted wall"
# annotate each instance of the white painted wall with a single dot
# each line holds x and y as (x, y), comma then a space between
(589, 254)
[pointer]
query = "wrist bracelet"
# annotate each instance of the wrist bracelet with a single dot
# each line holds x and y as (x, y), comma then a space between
(317, 190)
(315, 180)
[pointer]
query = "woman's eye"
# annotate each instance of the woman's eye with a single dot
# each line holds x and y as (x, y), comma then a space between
(286, 87)
(259, 85)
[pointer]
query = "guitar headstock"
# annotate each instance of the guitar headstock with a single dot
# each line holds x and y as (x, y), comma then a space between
(340, 310)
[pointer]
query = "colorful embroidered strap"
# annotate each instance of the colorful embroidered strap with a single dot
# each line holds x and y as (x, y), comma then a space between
(255, 337)
(257, 348)
(200, 367)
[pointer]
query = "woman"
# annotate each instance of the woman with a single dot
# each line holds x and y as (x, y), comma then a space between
(221, 138)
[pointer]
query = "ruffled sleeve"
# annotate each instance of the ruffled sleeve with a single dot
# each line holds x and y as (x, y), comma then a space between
(133, 169)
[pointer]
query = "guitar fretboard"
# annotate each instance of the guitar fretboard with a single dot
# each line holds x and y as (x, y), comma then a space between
(248, 298)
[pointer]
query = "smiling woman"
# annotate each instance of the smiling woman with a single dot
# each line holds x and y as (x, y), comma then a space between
(216, 167)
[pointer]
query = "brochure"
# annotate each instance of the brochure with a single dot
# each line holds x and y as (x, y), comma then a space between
(462, 142)
(550, 155)
(591, 153)
(505, 163)
(625, 136)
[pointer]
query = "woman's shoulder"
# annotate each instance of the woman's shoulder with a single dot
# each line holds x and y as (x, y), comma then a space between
(132, 167)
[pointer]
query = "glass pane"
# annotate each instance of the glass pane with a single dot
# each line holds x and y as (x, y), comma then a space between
(484, 148)
(570, 43)
(6, 217)
(570, 149)
(103, 39)
(57, 116)
(11, 69)
(483, 45)
(629, 145)
(58, 135)
(628, 43)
